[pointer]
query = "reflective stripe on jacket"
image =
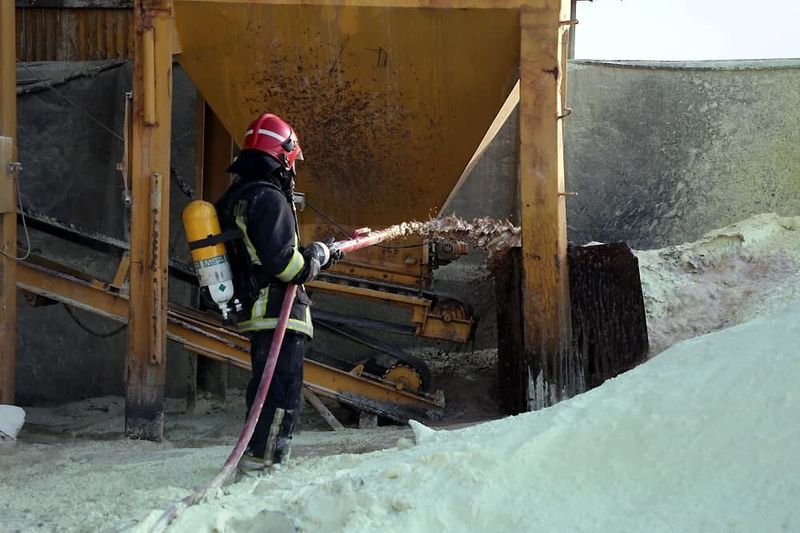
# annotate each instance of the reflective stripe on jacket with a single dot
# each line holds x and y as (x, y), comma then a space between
(266, 218)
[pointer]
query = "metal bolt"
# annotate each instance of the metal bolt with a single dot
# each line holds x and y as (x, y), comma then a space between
(14, 167)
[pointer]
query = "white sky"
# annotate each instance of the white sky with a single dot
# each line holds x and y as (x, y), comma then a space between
(688, 29)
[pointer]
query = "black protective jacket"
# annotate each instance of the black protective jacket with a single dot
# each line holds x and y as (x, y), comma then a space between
(268, 256)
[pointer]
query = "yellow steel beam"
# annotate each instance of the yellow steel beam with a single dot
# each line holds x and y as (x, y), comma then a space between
(202, 335)
(399, 266)
(372, 294)
(150, 168)
(8, 218)
(429, 324)
(435, 4)
(546, 317)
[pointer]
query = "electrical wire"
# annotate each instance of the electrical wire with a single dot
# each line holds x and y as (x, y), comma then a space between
(70, 102)
(185, 188)
(90, 331)
(24, 227)
(97, 121)
(341, 228)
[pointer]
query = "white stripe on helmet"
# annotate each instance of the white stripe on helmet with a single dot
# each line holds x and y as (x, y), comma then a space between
(272, 134)
(266, 132)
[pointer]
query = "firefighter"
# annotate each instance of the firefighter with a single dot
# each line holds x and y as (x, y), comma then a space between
(264, 260)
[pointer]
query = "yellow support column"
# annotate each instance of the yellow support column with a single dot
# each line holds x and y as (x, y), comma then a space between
(150, 167)
(8, 215)
(545, 285)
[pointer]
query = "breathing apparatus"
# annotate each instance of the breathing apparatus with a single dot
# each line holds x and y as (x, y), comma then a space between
(209, 258)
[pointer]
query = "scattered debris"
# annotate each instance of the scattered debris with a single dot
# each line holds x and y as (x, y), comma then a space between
(490, 234)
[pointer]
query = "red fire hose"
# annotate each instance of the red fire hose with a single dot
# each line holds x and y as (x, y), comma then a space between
(362, 238)
(249, 425)
(365, 237)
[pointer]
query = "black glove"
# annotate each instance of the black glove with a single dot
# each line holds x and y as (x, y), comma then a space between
(311, 268)
(335, 255)
(324, 254)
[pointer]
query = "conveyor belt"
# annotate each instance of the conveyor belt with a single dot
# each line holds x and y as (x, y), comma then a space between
(201, 334)
(427, 318)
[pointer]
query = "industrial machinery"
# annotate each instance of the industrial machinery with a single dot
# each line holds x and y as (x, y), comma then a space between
(51, 283)
(392, 113)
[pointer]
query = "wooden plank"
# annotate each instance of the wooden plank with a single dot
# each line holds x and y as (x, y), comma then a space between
(545, 288)
(122, 271)
(68, 4)
(8, 268)
(8, 221)
(322, 409)
(427, 4)
(65, 34)
(150, 167)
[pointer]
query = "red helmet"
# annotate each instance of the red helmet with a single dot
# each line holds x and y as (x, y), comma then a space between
(274, 136)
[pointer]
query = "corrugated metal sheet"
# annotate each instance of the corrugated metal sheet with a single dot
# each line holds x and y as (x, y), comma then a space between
(73, 34)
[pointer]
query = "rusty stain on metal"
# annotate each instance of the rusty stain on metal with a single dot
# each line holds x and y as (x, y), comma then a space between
(377, 94)
(347, 133)
(555, 71)
(155, 210)
(156, 354)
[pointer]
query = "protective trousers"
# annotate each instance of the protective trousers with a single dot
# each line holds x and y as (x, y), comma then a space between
(267, 441)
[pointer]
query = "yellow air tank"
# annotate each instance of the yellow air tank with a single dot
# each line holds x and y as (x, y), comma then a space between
(209, 258)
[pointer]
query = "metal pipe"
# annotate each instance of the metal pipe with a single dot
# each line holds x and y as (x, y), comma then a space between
(365, 237)
(573, 15)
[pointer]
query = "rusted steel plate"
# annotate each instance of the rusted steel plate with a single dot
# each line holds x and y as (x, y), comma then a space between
(390, 103)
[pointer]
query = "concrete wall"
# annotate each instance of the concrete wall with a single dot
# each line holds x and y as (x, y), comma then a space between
(660, 153)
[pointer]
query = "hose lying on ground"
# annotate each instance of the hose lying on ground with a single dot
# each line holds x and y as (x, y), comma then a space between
(247, 431)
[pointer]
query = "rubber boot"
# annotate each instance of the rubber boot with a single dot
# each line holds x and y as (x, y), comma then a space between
(280, 436)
